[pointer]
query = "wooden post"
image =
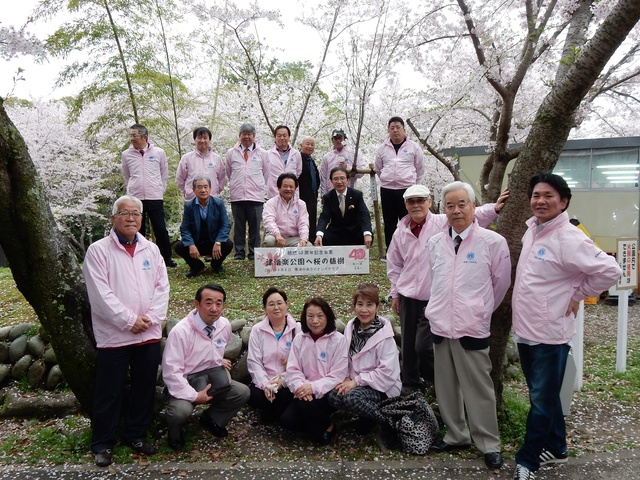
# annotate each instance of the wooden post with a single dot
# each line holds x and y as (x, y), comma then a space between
(376, 209)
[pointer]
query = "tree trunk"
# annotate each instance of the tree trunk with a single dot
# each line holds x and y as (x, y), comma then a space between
(43, 264)
(543, 146)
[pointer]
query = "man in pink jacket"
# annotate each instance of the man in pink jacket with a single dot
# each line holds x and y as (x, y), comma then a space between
(285, 219)
(248, 173)
(411, 281)
(128, 290)
(145, 171)
(471, 272)
(282, 158)
(340, 155)
(202, 161)
(559, 266)
(195, 344)
(399, 163)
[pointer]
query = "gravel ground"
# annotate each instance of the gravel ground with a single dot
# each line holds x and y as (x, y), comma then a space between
(600, 420)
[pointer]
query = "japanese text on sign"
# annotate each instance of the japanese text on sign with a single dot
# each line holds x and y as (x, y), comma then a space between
(288, 261)
(628, 261)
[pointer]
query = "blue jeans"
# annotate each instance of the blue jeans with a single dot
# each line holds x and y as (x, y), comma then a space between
(543, 367)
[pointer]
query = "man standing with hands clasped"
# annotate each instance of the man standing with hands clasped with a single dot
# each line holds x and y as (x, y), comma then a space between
(471, 270)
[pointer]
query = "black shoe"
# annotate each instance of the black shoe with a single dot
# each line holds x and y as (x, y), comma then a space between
(103, 457)
(171, 264)
(194, 272)
(217, 269)
(440, 446)
(142, 446)
(238, 257)
(363, 426)
(213, 427)
(326, 437)
(176, 444)
(493, 460)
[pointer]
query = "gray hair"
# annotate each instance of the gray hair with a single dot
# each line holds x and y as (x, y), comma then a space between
(142, 130)
(247, 127)
(125, 198)
(198, 178)
(453, 186)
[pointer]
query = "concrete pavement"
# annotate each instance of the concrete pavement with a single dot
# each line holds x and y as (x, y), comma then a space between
(621, 465)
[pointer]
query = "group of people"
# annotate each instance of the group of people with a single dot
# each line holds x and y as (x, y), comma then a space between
(448, 274)
(287, 179)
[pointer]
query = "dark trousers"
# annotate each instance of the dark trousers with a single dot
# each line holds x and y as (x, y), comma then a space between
(311, 417)
(417, 343)
(393, 209)
(269, 411)
(312, 209)
(244, 213)
(112, 367)
(543, 366)
(154, 211)
(205, 248)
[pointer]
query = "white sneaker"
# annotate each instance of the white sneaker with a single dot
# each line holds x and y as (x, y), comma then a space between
(523, 473)
(548, 458)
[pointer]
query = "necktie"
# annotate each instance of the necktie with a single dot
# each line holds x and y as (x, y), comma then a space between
(141, 152)
(456, 243)
(208, 330)
(341, 204)
(246, 154)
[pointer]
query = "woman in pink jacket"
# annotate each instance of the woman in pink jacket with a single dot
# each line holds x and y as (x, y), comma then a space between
(374, 369)
(317, 363)
(269, 346)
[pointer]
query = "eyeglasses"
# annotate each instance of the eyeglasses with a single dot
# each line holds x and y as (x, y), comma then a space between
(450, 207)
(135, 135)
(124, 214)
(338, 179)
(416, 201)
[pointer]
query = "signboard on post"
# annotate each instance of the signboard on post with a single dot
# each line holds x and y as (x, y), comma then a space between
(628, 260)
(290, 261)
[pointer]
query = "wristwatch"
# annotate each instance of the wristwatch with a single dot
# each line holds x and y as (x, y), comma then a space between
(217, 244)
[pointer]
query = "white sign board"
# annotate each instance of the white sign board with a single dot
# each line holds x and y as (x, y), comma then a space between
(628, 260)
(289, 261)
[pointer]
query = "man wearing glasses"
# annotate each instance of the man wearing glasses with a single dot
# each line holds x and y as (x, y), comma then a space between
(345, 218)
(128, 290)
(145, 172)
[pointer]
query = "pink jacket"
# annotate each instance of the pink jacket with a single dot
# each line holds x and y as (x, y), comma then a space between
(331, 160)
(401, 170)
(376, 365)
(193, 164)
(189, 350)
(122, 287)
(277, 167)
(469, 286)
(322, 363)
(557, 265)
(267, 357)
(288, 220)
(247, 178)
(145, 177)
(407, 254)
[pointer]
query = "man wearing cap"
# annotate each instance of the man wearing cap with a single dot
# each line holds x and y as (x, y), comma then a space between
(399, 163)
(309, 181)
(247, 169)
(340, 155)
(345, 218)
(411, 281)
(282, 158)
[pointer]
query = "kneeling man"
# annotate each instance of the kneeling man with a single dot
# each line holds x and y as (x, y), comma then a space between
(204, 230)
(195, 344)
(471, 271)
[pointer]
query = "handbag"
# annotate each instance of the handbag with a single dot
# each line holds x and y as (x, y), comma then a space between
(219, 378)
(412, 420)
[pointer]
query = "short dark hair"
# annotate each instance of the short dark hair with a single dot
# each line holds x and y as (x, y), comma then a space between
(558, 183)
(270, 291)
(210, 286)
(367, 290)
(395, 119)
(198, 178)
(326, 309)
(200, 131)
(338, 169)
(290, 175)
(142, 130)
(275, 130)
